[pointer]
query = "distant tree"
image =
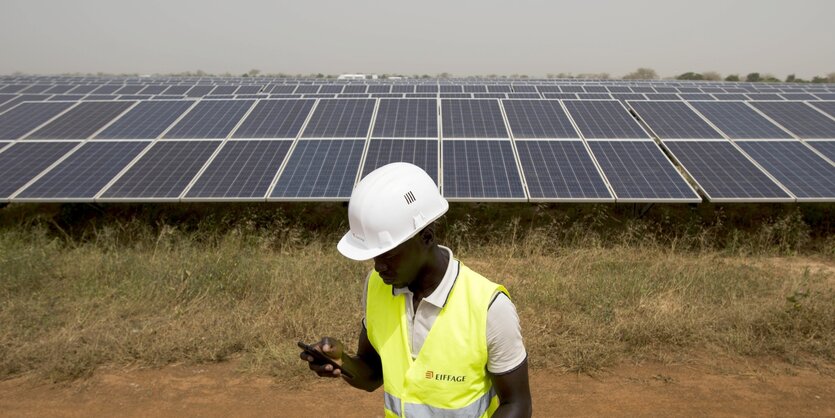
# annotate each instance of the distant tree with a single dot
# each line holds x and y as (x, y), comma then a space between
(769, 78)
(711, 76)
(690, 76)
(254, 72)
(831, 77)
(320, 75)
(444, 75)
(818, 79)
(790, 78)
(753, 77)
(732, 77)
(642, 74)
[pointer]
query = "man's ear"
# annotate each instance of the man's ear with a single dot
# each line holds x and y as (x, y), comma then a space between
(427, 235)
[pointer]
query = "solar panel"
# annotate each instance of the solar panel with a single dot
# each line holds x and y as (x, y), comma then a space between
(604, 119)
(827, 107)
(522, 88)
(13, 88)
(426, 88)
(200, 91)
(241, 169)
(210, 119)
(402, 89)
(283, 89)
(153, 89)
(696, 96)
(594, 96)
(474, 88)
(84, 173)
(723, 172)
(177, 90)
(99, 97)
(27, 116)
(83, 89)
(730, 96)
(340, 118)
(639, 171)
(565, 96)
(673, 120)
(306, 90)
(129, 89)
(798, 96)
(6, 97)
(106, 89)
(22, 98)
(81, 121)
(275, 119)
(481, 170)
(454, 88)
(249, 90)
(827, 148)
(162, 172)
(825, 96)
(355, 89)
(406, 118)
(764, 96)
(320, 169)
(561, 170)
(21, 162)
(420, 152)
(804, 173)
(147, 120)
(472, 119)
(662, 96)
(380, 88)
(538, 119)
(799, 118)
(739, 121)
(36, 88)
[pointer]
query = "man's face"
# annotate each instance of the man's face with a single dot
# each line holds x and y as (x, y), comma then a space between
(401, 265)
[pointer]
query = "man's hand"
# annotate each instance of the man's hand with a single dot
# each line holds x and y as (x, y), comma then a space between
(330, 347)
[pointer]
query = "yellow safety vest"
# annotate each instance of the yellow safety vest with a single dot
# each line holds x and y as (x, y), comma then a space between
(449, 376)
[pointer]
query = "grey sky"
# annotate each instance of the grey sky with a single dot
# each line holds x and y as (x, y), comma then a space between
(460, 37)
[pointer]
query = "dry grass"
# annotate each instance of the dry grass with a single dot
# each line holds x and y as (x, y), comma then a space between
(591, 290)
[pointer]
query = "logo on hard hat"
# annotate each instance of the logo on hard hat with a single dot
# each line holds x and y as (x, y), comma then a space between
(410, 198)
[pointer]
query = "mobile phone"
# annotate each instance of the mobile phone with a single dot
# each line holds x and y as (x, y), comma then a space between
(320, 357)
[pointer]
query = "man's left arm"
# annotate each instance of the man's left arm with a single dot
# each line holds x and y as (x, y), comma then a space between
(514, 392)
(507, 359)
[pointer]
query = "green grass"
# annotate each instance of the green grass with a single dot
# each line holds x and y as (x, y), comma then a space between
(84, 287)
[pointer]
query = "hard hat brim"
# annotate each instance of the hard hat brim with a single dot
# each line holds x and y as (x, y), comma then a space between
(355, 250)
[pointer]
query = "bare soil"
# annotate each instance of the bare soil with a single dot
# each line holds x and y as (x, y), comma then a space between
(760, 388)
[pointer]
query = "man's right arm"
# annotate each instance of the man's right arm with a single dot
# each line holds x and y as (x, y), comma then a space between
(365, 366)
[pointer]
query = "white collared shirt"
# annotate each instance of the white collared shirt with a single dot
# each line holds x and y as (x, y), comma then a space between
(505, 348)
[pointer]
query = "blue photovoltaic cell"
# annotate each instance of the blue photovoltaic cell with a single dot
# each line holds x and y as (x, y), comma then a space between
(474, 88)
(340, 118)
(500, 88)
(827, 107)
(210, 119)
(825, 96)
(427, 88)
(6, 97)
(739, 121)
(406, 118)
(147, 120)
(275, 119)
(83, 89)
(661, 96)
(480, 170)
(153, 89)
(354, 89)
(524, 88)
(330, 89)
(799, 118)
(672, 120)
(241, 169)
(27, 116)
(129, 89)
(464, 118)
(420, 152)
(565, 96)
(723, 172)
(106, 89)
(639, 170)
(538, 119)
(572, 89)
(604, 119)
(320, 169)
(826, 148)
(803, 172)
(628, 96)
(220, 90)
(164, 171)
(596, 89)
(21, 162)
(282, 89)
(84, 173)
(13, 88)
(81, 121)
(696, 96)
(798, 96)
(764, 96)
(594, 96)
(402, 89)
(560, 170)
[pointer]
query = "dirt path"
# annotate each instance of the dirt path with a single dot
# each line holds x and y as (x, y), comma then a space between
(220, 391)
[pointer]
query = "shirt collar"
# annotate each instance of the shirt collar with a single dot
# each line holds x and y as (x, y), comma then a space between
(441, 293)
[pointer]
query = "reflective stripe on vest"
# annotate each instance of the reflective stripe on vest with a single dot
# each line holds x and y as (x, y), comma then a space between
(448, 378)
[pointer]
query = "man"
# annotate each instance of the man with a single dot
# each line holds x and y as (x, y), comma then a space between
(440, 338)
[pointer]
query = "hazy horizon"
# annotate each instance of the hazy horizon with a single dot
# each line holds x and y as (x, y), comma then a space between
(463, 38)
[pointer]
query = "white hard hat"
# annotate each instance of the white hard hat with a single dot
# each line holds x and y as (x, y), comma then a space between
(389, 206)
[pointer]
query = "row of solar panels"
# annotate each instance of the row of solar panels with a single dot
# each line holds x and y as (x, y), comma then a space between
(569, 150)
(200, 90)
(413, 81)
